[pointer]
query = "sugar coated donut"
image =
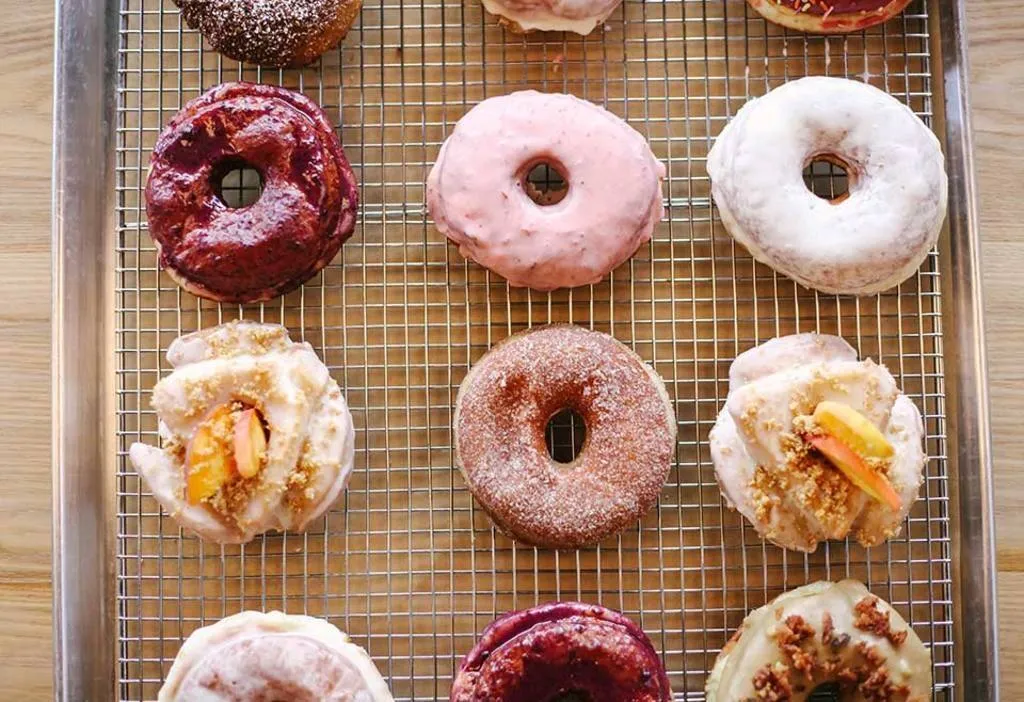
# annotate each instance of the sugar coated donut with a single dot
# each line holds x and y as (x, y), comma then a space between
(828, 16)
(305, 212)
(477, 197)
(819, 634)
(562, 650)
(580, 16)
(501, 412)
(255, 657)
(787, 397)
(861, 244)
(275, 33)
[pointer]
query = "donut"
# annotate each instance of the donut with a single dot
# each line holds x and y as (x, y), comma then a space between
(862, 244)
(256, 434)
(501, 412)
(477, 197)
(823, 634)
(579, 16)
(558, 650)
(828, 16)
(255, 657)
(306, 211)
(791, 400)
(274, 33)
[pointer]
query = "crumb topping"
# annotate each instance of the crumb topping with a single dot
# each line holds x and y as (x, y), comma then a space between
(872, 619)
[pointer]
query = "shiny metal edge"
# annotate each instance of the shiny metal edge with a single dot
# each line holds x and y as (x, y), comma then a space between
(82, 251)
(966, 387)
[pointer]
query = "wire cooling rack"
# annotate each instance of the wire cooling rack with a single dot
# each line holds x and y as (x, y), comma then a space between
(407, 565)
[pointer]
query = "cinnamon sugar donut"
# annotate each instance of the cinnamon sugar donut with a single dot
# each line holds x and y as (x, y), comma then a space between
(560, 651)
(306, 211)
(873, 238)
(828, 16)
(255, 657)
(819, 634)
(501, 412)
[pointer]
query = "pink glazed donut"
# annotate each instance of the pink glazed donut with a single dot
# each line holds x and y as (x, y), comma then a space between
(477, 197)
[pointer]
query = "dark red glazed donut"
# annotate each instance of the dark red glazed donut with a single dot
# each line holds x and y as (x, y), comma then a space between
(828, 16)
(501, 413)
(306, 211)
(544, 653)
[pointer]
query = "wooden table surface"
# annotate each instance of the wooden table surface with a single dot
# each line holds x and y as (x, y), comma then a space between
(995, 28)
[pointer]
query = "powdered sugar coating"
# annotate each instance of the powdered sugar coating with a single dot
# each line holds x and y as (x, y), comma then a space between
(501, 413)
(869, 242)
(273, 33)
(476, 197)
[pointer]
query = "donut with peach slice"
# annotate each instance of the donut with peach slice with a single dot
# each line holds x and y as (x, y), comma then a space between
(815, 444)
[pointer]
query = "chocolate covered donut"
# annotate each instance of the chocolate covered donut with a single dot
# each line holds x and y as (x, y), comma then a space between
(501, 413)
(559, 649)
(305, 212)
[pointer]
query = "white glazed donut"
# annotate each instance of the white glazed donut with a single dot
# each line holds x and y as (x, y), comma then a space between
(252, 656)
(791, 500)
(476, 196)
(579, 16)
(863, 244)
(310, 440)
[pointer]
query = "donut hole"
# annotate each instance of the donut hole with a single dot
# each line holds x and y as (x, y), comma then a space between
(829, 177)
(826, 692)
(545, 183)
(572, 696)
(236, 183)
(564, 435)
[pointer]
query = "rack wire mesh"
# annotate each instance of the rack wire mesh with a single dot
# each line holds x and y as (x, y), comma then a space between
(407, 565)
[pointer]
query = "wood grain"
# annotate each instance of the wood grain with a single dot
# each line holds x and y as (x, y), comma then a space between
(26, 44)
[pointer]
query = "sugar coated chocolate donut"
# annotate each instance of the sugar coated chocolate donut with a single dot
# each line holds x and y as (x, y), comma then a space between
(305, 212)
(501, 413)
(559, 650)
(866, 241)
(828, 16)
(274, 33)
(819, 634)
(478, 192)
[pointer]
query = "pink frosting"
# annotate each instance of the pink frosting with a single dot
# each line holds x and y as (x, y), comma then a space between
(476, 197)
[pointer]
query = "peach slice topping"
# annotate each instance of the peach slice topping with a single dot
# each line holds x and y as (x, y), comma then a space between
(210, 464)
(853, 429)
(857, 470)
(250, 443)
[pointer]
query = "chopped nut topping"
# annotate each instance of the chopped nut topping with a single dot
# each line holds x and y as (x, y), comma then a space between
(871, 618)
(772, 683)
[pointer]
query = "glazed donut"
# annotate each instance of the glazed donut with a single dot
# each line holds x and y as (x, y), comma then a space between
(870, 241)
(554, 650)
(501, 412)
(256, 657)
(306, 211)
(256, 434)
(275, 33)
(786, 394)
(828, 16)
(477, 198)
(819, 634)
(579, 16)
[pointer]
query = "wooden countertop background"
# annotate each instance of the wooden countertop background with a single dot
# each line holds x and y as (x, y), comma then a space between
(996, 31)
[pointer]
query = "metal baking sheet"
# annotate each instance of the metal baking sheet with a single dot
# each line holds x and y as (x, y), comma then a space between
(407, 564)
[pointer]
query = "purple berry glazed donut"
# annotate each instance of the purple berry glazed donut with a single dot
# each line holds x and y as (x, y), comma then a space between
(306, 210)
(557, 650)
(501, 414)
